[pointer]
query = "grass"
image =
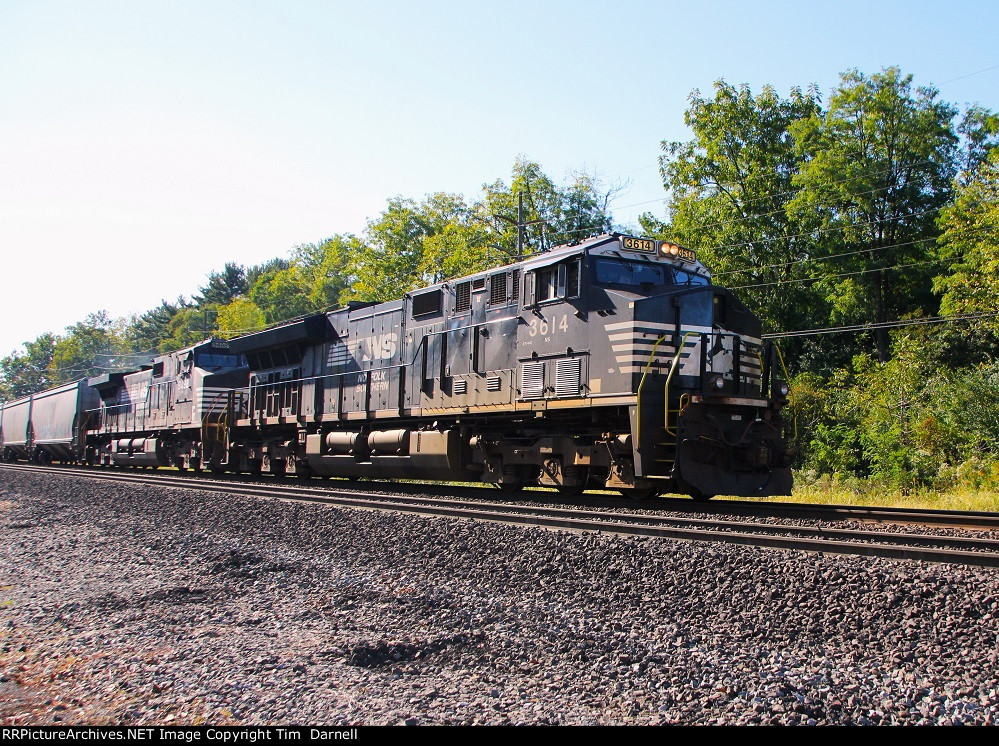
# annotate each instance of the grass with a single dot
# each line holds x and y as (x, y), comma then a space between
(874, 494)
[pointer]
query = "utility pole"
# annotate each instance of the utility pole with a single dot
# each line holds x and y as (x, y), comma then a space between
(520, 226)
(520, 223)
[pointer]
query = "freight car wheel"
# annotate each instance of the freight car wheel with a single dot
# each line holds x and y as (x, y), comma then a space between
(700, 497)
(510, 488)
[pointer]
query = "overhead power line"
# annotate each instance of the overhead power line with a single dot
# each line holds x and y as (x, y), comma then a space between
(810, 260)
(977, 72)
(833, 229)
(872, 326)
(839, 274)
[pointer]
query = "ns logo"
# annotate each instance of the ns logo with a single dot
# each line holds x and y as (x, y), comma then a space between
(361, 349)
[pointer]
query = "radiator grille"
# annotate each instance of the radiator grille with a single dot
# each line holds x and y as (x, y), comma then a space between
(567, 377)
(462, 297)
(425, 303)
(497, 289)
(532, 380)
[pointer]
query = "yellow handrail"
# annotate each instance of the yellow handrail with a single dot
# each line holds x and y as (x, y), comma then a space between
(790, 397)
(672, 370)
(638, 394)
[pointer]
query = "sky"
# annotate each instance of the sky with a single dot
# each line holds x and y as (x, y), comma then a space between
(145, 144)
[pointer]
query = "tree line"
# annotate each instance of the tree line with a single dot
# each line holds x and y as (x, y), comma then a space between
(861, 227)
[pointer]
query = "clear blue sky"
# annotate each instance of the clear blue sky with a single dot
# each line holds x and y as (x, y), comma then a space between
(144, 144)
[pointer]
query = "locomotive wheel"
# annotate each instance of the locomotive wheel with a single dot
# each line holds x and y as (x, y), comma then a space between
(700, 497)
(640, 493)
(510, 488)
(572, 490)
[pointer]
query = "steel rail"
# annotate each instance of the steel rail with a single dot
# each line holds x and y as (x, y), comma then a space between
(975, 519)
(966, 519)
(960, 550)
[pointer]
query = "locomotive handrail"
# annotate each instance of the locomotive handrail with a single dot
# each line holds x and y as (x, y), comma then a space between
(669, 378)
(638, 393)
(790, 398)
(326, 375)
(274, 384)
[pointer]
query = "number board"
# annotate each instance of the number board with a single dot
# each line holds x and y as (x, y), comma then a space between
(639, 244)
(684, 255)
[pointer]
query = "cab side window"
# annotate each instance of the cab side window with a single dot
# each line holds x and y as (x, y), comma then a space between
(557, 281)
(545, 284)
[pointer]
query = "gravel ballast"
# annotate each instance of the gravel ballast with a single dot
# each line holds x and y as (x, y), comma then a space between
(140, 605)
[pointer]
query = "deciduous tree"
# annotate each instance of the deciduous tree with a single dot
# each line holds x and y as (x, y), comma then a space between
(876, 168)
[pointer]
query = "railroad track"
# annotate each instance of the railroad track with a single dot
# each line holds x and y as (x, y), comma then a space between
(951, 549)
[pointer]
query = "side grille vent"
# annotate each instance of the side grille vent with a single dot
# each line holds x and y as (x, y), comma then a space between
(462, 297)
(497, 289)
(532, 380)
(567, 377)
(493, 383)
(460, 387)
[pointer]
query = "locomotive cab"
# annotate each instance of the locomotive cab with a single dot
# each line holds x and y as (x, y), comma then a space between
(703, 422)
(175, 411)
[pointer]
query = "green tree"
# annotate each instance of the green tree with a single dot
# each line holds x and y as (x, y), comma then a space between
(979, 130)
(225, 286)
(729, 189)
(148, 330)
(25, 373)
(188, 326)
(970, 241)
(282, 294)
(327, 264)
(412, 244)
(554, 215)
(242, 316)
(255, 272)
(457, 249)
(877, 167)
(585, 209)
(89, 348)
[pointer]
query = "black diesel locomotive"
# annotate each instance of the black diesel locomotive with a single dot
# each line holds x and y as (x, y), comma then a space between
(613, 363)
(168, 413)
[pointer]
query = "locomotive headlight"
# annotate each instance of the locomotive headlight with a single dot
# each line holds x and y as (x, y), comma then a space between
(670, 249)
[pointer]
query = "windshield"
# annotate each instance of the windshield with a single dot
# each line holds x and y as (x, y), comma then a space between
(209, 361)
(642, 274)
